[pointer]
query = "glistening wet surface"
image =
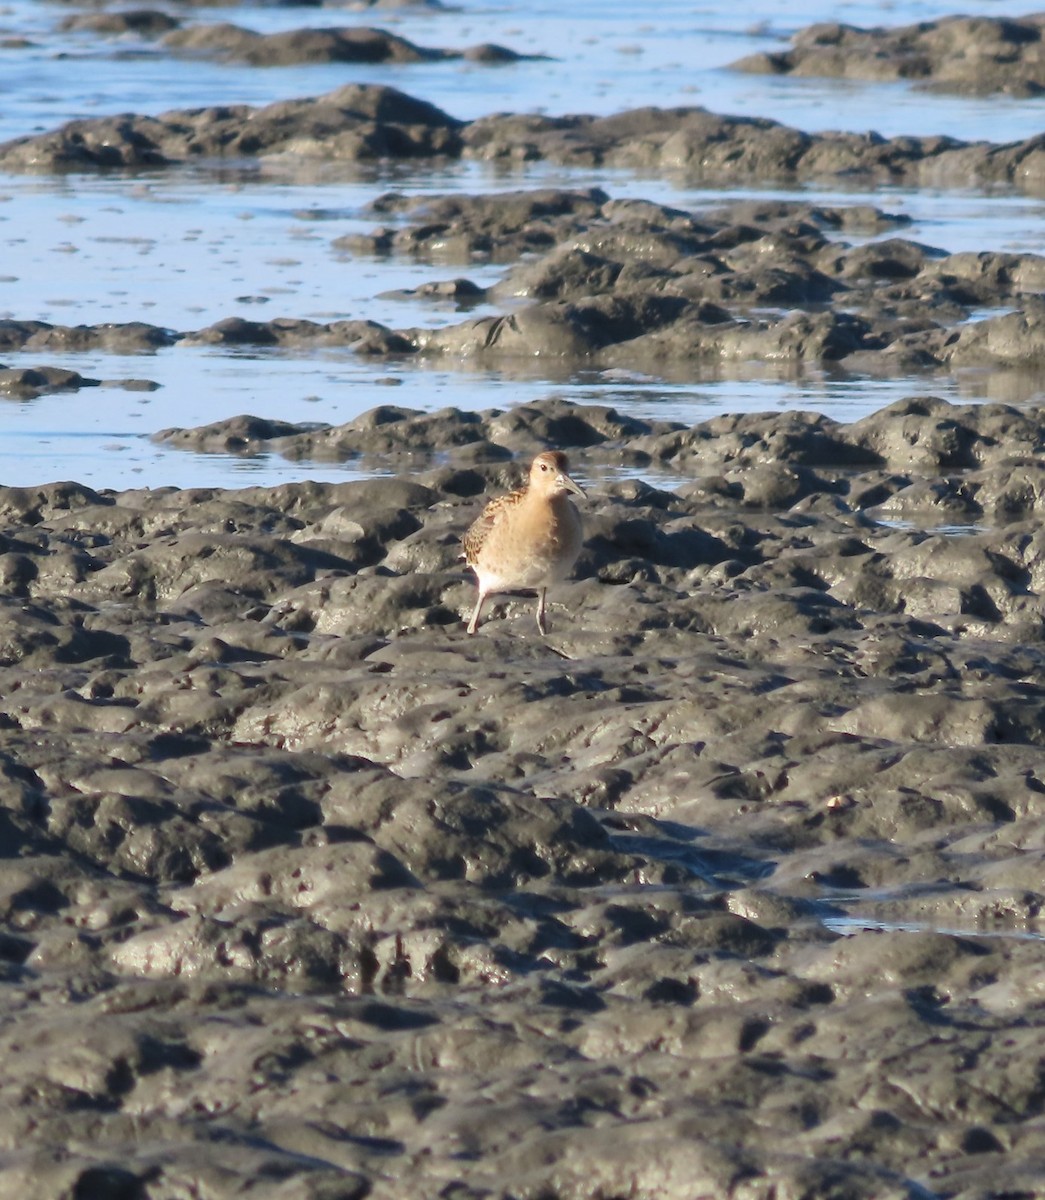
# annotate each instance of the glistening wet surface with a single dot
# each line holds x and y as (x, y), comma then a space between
(186, 247)
(729, 885)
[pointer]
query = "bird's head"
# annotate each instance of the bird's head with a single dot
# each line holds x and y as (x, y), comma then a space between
(550, 475)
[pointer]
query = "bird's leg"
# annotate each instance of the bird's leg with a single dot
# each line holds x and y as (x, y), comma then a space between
(473, 624)
(541, 597)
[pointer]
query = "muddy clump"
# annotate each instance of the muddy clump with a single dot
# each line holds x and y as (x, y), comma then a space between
(595, 282)
(357, 122)
(354, 44)
(368, 123)
(968, 55)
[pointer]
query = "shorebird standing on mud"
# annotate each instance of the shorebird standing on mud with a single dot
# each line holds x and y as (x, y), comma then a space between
(528, 539)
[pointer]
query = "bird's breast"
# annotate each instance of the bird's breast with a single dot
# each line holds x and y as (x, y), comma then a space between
(536, 545)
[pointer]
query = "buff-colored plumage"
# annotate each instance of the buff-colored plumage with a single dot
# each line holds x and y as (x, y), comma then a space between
(528, 539)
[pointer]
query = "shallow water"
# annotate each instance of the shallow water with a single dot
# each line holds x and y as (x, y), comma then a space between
(183, 249)
(849, 926)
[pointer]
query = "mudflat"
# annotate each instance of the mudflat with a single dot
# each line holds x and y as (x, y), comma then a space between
(730, 885)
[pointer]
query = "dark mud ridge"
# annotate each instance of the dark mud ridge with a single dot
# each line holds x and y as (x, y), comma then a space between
(307, 893)
(25, 383)
(364, 123)
(968, 55)
(595, 282)
(232, 43)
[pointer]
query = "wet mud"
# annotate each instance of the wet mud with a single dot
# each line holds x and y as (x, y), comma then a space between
(966, 55)
(232, 43)
(363, 123)
(731, 885)
(728, 886)
(599, 283)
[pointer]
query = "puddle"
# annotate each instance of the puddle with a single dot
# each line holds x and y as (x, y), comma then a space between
(850, 925)
(956, 529)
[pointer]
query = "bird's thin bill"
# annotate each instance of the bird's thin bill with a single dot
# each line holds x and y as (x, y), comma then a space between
(564, 481)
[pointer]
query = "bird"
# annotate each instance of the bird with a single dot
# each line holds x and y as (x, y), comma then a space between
(529, 538)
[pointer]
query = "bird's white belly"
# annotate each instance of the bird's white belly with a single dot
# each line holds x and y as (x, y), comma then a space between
(528, 573)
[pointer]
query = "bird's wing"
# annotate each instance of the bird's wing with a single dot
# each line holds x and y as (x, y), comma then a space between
(487, 520)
